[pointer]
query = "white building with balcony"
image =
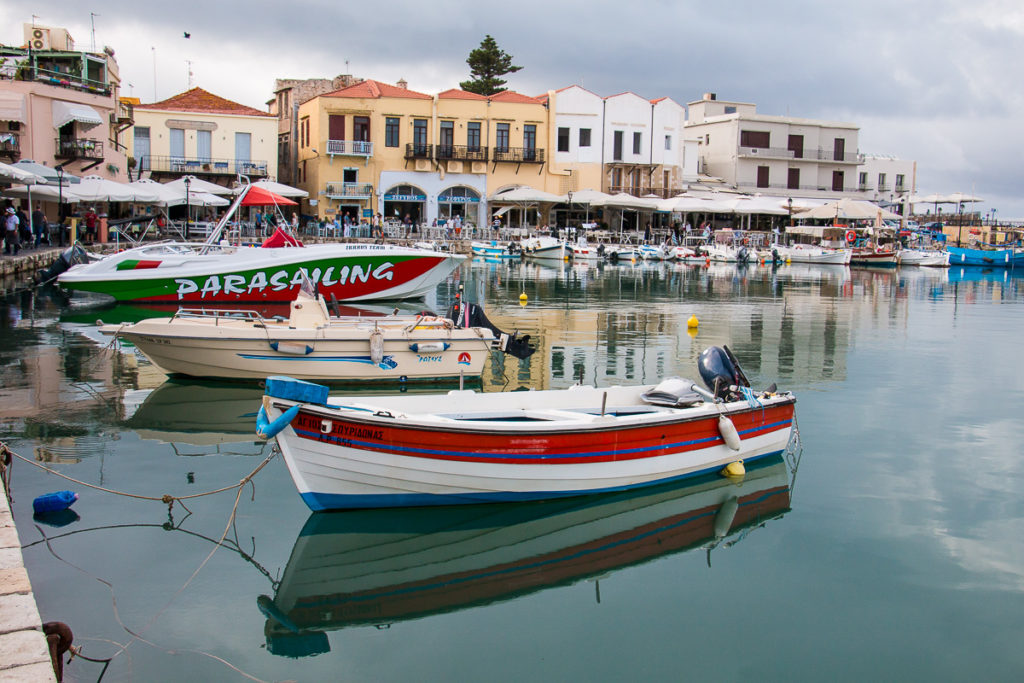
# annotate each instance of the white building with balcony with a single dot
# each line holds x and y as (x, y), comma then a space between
(885, 178)
(774, 154)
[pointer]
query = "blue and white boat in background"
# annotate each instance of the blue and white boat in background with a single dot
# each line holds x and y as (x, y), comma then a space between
(494, 249)
(986, 258)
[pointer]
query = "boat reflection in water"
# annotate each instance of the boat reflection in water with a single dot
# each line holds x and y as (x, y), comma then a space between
(378, 567)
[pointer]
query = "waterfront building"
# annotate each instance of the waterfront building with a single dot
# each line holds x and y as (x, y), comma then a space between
(774, 154)
(886, 178)
(59, 105)
(374, 147)
(201, 134)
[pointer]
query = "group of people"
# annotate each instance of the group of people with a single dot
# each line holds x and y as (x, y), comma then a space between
(19, 230)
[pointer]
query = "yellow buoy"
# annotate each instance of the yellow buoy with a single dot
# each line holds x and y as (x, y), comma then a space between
(522, 299)
(734, 469)
(692, 322)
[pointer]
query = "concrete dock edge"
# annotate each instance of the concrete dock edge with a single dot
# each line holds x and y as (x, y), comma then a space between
(24, 655)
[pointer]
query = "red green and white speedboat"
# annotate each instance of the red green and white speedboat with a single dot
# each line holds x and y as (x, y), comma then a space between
(211, 272)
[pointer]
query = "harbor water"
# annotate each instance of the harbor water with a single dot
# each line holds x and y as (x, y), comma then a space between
(886, 546)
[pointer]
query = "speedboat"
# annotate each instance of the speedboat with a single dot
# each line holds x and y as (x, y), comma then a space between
(653, 252)
(374, 567)
(470, 447)
(216, 272)
(924, 257)
(312, 344)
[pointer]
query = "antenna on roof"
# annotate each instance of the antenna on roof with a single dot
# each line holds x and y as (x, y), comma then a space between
(92, 20)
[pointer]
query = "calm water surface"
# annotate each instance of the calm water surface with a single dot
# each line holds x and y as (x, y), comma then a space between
(891, 549)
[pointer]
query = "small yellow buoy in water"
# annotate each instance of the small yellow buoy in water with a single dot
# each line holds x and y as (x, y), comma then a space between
(692, 323)
(522, 299)
(734, 469)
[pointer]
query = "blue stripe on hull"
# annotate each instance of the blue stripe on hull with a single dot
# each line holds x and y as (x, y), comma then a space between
(334, 501)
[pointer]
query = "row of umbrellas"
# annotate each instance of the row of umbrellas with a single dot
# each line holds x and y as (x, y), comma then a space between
(44, 182)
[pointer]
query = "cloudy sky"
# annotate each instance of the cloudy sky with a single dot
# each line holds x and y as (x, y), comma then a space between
(934, 81)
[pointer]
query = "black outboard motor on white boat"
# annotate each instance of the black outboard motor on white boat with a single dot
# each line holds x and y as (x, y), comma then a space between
(465, 314)
(721, 372)
(743, 255)
(74, 254)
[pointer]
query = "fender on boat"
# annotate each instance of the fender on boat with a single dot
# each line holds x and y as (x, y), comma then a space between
(428, 347)
(728, 431)
(265, 429)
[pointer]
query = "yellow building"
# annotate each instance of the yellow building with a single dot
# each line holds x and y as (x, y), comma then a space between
(201, 134)
(379, 148)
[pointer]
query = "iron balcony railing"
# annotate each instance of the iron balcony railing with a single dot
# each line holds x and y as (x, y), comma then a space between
(201, 166)
(662, 192)
(74, 148)
(352, 148)
(461, 153)
(777, 152)
(10, 144)
(349, 190)
(417, 150)
(529, 155)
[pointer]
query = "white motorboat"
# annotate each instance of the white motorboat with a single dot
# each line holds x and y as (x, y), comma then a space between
(468, 447)
(311, 344)
(808, 253)
(546, 249)
(924, 257)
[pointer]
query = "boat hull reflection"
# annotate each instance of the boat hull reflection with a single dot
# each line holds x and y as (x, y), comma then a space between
(382, 566)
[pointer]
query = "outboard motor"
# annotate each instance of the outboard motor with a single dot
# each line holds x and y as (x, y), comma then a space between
(743, 255)
(465, 314)
(721, 372)
(71, 256)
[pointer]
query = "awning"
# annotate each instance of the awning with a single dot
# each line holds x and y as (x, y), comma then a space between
(502, 211)
(66, 112)
(12, 107)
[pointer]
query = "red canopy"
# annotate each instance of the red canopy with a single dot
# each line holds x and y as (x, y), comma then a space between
(258, 196)
(280, 238)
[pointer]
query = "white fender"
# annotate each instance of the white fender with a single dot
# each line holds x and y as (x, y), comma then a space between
(728, 431)
(725, 516)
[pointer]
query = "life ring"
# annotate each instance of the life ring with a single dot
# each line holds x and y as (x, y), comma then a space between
(851, 236)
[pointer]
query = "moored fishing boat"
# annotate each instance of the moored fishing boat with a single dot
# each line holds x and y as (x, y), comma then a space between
(173, 272)
(363, 567)
(986, 258)
(494, 249)
(869, 256)
(466, 447)
(934, 258)
(546, 249)
(311, 344)
(807, 253)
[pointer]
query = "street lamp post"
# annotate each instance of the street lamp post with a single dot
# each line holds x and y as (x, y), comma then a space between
(59, 168)
(569, 215)
(188, 206)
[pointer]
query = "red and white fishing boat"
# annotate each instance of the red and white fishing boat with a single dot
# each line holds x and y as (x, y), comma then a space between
(869, 256)
(468, 447)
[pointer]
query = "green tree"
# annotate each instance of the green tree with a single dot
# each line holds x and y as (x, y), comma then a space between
(487, 64)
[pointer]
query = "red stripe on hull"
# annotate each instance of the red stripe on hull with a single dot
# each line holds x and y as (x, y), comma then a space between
(562, 448)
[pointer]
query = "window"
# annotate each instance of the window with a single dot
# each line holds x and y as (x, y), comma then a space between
(335, 127)
(668, 142)
(636, 142)
(447, 140)
(529, 142)
(881, 181)
(204, 139)
(419, 137)
(793, 179)
(837, 181)
(142, 147)
(243, 147)
(584, 137)
(563, 139)
(839, 149)
(899, 182)
(762, 176)
(473, 136)
(501, 141)
(178, 144)
(304, 132)
(350, 175)
(361, 128)
(755, 138)
(391, 131)
(729, 109)
(863, 179)
(617, 146)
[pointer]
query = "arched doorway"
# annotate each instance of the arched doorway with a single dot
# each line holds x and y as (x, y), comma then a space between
(403, 200)
(459, 201)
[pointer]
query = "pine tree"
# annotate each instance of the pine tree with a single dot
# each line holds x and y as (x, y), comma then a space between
(486, 64)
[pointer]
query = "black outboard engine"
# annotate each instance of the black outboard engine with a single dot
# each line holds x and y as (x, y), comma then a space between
(721, 372)
(73, 255)
(743, 255)
(470, 315)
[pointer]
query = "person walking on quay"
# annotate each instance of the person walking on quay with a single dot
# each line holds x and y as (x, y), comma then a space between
(11, 240)
(39, 225)
(406, 226)
(24, 227)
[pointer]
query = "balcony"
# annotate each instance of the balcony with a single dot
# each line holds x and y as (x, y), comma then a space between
(769, 152)
(349, 190)
(461, 153)
(74, 148)
(418, 150)
(883, 187)
(201, 167)
(350, 148)
(518, 155)
(10, 145)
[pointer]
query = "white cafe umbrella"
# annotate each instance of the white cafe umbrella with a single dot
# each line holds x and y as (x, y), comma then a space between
(526, 197)
(47, 172)
(851, 209)
(49, 192)
(199, 185)
(20, 175)
(98, 189)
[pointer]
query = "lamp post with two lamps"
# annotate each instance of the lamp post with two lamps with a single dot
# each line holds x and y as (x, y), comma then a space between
(59, 168)
(188, 204)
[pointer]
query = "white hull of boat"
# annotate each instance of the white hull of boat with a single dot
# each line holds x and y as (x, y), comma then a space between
(801, 253)
(927, 258)
(465, 447)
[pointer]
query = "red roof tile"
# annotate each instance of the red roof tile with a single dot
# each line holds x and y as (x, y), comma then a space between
(199, 100)
(514, 97)
(456, 94)
(370, 89)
